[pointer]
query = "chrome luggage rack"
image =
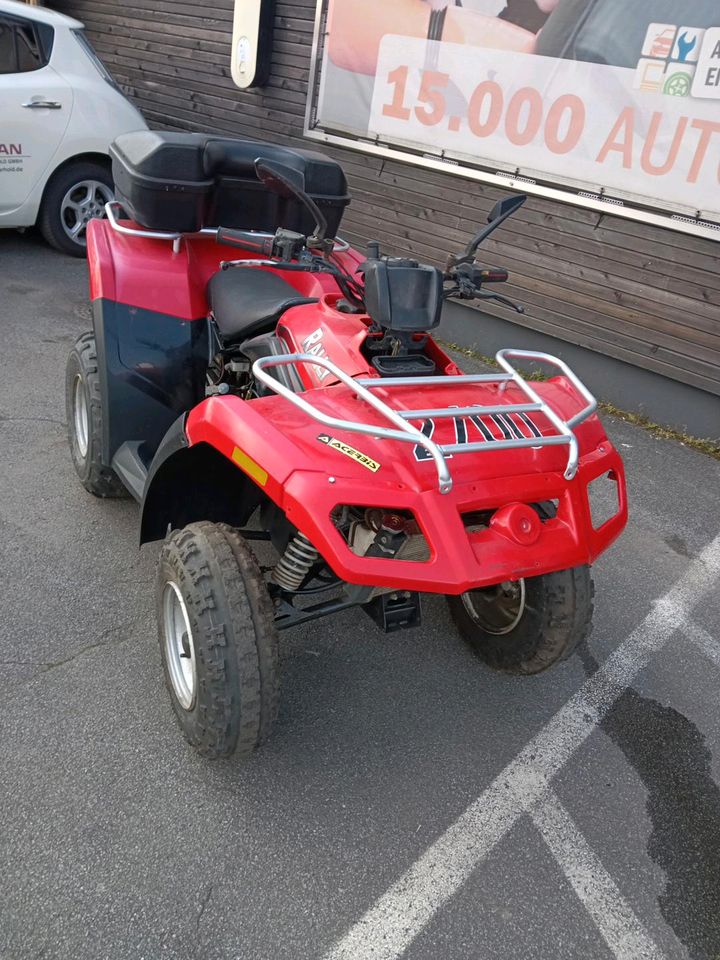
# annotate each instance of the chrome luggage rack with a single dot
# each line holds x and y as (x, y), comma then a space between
(404, 431)
(177, 238)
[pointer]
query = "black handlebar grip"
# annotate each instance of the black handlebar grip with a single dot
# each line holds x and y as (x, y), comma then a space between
(246, 241)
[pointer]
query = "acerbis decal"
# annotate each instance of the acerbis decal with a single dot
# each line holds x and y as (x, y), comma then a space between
(350, 452)
(504, 422)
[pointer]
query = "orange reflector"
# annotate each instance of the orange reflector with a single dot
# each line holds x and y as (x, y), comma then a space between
(251, 468)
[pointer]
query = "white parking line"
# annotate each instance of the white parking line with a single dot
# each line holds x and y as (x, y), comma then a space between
(705, 641)
(400, 914)
(613, 916)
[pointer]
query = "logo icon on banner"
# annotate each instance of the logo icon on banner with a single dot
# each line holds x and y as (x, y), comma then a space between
(670, 59)
(659, 40)
(678, 80)
(650, 76)
(687, 45)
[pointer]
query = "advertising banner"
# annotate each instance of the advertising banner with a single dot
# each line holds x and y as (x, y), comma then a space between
(603, 98)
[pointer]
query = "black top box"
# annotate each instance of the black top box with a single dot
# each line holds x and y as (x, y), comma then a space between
(183, 182)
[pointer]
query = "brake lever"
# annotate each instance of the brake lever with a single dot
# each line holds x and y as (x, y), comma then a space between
(482, 295)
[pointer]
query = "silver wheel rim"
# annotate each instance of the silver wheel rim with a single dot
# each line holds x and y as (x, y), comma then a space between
(498, 609)
(179, 646)
(83, 202)
(81, 419)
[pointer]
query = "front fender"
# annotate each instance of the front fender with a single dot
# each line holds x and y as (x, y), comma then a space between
(189, 482)
(247, 437)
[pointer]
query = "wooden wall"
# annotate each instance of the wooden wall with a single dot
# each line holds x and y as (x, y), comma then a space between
(641, 294)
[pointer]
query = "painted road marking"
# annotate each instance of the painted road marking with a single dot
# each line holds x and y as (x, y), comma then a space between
(613, 916)
(400, 914)
(704, 640)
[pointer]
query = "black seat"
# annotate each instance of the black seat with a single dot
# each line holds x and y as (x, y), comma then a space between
(247, 301)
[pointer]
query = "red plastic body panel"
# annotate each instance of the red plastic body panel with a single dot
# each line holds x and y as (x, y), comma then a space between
(307, 480)
(327, 333)
(147, 274)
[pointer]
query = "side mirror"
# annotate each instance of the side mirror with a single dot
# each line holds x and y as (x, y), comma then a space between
(500, 212)
(287, 182)
(506, 207)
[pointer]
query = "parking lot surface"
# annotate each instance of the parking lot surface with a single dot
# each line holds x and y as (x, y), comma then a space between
(411, 803)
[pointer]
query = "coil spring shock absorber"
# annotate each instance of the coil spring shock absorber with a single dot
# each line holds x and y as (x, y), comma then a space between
(295, 563)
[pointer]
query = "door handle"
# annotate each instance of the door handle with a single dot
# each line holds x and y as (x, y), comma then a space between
(43, 105)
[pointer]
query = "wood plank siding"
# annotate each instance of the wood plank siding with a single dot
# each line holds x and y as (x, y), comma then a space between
(645, 295)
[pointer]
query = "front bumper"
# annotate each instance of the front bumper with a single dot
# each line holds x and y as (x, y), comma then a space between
(462, 560)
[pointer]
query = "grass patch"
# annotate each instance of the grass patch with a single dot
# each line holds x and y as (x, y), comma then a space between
(536, 375)
(709, 447)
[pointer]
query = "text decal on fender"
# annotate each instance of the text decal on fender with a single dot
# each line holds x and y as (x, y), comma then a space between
(313, 344)
(476, 430)
(350, 452)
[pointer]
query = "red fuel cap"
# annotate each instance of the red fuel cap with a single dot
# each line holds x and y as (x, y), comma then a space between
(518, 522)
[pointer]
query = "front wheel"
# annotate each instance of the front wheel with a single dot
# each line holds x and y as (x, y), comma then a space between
(526, 626)
(218, 640)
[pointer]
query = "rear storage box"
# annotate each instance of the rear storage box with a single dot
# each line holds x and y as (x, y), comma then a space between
(182, 182)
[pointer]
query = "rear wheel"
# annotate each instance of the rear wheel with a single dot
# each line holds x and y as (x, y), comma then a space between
(526, 626)
(218, 640)
(74, 196)
(84, 411)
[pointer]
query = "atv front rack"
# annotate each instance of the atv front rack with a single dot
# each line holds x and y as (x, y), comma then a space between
(404, 431)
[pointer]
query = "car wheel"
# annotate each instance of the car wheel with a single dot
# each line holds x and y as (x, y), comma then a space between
(74, 196)
(218, 640)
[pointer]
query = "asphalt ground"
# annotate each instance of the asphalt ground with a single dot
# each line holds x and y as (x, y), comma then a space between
(411, 802)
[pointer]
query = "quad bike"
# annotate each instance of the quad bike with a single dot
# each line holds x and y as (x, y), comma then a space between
(291, 392)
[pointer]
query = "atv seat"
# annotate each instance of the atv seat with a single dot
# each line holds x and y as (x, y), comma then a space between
(247, 301)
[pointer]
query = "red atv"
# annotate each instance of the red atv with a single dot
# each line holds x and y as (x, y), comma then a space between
(294, 395)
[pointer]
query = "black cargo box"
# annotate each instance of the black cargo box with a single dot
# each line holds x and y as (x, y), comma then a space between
(182, 182)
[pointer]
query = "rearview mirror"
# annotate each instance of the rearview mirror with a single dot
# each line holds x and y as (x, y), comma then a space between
(287, 182)
(280, 178)
(506, 207)
(500, 212)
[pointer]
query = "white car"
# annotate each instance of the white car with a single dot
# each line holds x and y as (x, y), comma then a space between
(59, 112)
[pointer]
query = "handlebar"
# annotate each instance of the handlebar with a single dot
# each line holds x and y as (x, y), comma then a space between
(466, 277)
(261, 243)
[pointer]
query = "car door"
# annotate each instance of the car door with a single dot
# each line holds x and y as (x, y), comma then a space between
(36, 104)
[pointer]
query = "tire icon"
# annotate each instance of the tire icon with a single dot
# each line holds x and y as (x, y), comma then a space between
(678, 85)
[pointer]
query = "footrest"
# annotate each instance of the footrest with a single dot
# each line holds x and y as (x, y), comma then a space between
(395, 611)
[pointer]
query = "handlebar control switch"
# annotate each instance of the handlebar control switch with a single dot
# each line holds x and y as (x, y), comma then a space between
(288, 245)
